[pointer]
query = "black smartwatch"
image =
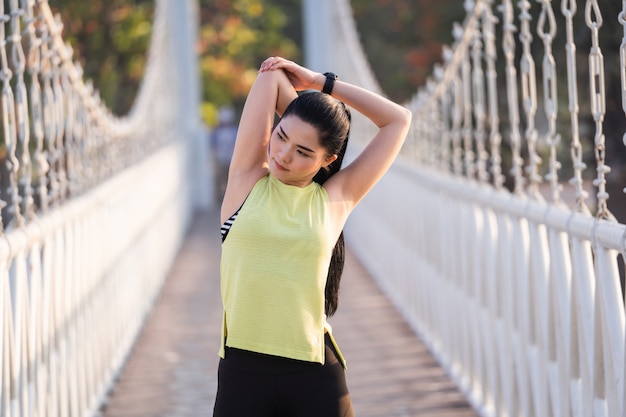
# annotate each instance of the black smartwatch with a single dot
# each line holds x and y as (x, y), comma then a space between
(329, 83)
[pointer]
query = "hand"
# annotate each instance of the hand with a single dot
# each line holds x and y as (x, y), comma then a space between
(301, 78)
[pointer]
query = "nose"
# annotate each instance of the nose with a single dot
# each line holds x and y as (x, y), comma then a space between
(284, 154)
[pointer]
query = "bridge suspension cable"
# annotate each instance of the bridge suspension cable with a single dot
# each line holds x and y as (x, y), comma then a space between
(516, 285)
(95, 206)
(49, 107)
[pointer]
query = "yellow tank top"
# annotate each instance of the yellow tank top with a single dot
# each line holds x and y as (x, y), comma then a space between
(273, 272)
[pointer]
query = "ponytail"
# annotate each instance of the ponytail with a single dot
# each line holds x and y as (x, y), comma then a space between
(335, 269)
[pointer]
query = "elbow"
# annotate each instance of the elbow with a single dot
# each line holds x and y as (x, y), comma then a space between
(399, 118)
(406, 116)
(403, 118)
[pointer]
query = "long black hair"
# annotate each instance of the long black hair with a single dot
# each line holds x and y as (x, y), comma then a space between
(331, 118)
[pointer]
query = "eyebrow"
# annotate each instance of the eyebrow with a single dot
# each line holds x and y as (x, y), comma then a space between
(299, 146)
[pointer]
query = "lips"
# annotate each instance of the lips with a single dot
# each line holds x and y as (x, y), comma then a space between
(279, 166)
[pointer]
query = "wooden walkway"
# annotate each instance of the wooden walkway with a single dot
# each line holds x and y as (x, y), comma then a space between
(172, 369)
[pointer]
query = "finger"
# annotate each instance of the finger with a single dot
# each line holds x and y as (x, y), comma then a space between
(264, 65)
(269, 63)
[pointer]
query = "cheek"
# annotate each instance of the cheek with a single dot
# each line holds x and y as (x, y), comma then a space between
(317, 165)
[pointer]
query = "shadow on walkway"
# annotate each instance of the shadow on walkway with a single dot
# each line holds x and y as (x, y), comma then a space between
(172, 369)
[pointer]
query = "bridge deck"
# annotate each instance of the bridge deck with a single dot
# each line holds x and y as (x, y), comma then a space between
(172, 369)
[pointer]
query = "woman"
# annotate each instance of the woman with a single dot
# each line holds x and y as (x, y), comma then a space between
(283, 213)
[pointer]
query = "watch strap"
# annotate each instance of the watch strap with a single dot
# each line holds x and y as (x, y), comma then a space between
(329, 83)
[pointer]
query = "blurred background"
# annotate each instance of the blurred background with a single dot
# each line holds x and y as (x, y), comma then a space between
(110, 39)
(402, 38)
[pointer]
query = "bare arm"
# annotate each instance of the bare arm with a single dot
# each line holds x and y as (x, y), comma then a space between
(350, 185)
(270, 94)
(393, 121)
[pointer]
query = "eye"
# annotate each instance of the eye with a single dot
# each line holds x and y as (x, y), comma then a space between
(280, 137)
(306, 155)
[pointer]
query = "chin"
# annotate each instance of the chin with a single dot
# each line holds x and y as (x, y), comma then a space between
(282, 175)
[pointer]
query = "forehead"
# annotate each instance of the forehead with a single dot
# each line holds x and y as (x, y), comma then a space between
(299, 131)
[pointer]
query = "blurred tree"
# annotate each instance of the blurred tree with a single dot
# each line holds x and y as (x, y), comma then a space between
(403, 39)
(110, 39)
(235, 36)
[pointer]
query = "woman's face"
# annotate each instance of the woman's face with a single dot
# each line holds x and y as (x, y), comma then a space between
(295, 154)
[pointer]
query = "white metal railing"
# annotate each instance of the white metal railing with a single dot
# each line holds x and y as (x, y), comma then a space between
(517, 294)
(97, 206)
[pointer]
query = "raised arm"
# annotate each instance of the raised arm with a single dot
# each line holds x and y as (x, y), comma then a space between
(270, 94)
(393, 121)
(350, 185)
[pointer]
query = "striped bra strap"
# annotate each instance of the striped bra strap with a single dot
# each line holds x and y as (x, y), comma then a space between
(227, 225)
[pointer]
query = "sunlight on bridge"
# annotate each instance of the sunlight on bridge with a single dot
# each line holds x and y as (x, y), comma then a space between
(96, 207)
(521, 298)
(494, 234)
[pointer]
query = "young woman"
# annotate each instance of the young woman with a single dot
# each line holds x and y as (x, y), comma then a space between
(282, 216)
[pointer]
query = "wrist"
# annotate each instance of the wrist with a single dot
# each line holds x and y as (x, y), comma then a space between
(329, 82)
(318, 82)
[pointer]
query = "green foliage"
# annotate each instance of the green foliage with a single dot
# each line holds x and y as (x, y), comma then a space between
(235, 37)
(110, 39)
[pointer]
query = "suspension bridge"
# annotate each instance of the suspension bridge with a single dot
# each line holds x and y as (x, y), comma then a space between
(503, 296)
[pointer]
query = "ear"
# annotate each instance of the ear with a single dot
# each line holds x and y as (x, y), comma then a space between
(329, 160)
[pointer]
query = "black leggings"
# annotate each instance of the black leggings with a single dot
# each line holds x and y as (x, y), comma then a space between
(256, 385)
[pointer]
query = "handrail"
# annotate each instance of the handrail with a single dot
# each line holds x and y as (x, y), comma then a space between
(98, 193)
(516, 286)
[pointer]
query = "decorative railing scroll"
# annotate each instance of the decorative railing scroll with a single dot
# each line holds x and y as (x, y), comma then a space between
(60, 138)
(513, 277)
(95, 206)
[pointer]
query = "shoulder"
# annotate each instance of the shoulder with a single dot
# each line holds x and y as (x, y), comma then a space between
(339, 205)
